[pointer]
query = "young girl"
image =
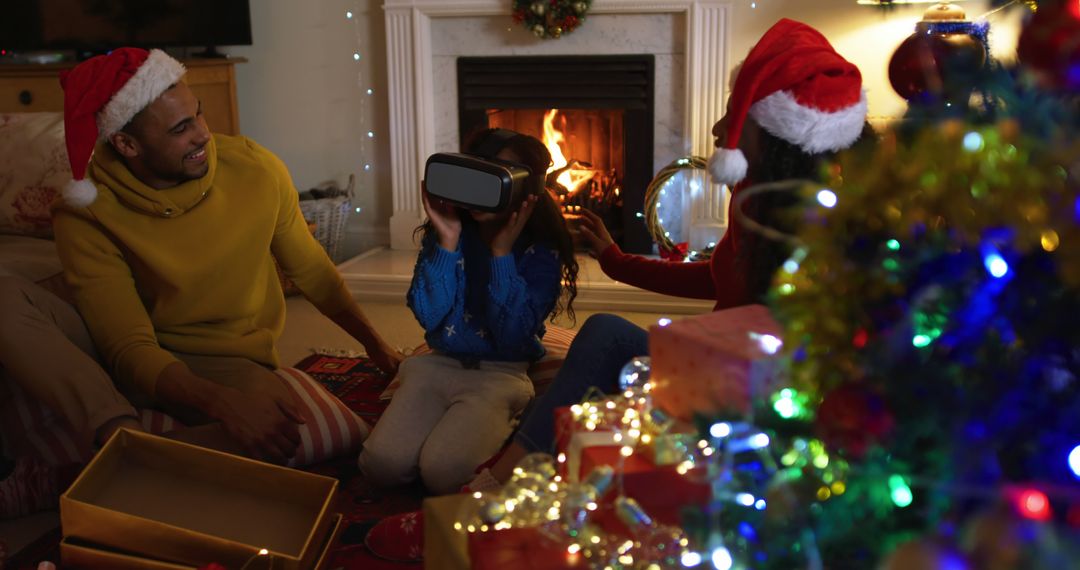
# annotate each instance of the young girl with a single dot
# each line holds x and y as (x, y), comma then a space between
(483, 286)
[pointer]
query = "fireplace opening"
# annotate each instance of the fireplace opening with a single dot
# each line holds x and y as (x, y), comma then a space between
(594, 113)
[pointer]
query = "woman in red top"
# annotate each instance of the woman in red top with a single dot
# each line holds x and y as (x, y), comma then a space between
(795, 102)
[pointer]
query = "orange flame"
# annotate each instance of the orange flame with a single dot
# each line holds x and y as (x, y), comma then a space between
(573, 178)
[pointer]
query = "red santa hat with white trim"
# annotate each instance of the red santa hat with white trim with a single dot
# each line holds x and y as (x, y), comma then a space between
(103, 94)
(796, 87)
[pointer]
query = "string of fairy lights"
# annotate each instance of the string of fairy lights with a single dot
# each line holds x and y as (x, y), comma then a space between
(367, 138)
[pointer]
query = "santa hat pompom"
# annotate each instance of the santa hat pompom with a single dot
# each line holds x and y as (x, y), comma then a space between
(80, 193)
(727, 166)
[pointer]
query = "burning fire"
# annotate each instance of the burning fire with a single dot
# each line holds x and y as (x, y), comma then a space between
(572, 178)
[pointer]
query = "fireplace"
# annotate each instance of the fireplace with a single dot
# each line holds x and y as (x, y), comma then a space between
(595, 113)
(688, 40)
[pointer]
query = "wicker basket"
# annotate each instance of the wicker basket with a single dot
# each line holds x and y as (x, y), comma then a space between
(330, 215)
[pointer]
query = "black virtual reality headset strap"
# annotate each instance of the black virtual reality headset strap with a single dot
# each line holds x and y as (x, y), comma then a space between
(494, 142)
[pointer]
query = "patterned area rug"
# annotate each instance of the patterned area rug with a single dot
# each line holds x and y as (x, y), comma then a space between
(358, 383)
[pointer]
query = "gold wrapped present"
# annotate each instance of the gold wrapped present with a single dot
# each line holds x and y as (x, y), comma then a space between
(446, 548)
(149, 497)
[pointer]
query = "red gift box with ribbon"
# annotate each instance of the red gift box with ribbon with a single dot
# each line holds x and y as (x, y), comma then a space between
(521, 549)
(660, 489)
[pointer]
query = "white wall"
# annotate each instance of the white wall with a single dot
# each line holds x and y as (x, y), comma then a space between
(302, 95)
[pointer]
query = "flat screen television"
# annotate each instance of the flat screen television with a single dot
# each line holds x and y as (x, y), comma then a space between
(101, 25)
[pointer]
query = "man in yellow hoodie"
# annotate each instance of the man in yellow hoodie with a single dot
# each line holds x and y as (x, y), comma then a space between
(168, 235)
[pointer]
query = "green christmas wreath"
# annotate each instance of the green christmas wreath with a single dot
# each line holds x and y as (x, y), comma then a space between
(550, 18)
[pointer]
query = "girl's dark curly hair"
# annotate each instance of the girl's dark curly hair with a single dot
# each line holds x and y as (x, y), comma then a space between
(546, 225)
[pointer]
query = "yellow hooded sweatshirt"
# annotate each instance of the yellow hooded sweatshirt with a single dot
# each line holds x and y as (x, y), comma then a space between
(189, 269)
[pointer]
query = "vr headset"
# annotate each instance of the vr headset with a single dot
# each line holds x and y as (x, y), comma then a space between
(474, 181)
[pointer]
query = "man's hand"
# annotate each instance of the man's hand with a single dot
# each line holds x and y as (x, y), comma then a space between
(594, 234)
(262, 418)
(265, 424)
(387, 358)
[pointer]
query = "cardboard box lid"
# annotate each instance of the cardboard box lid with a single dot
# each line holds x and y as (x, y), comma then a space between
(182, 503)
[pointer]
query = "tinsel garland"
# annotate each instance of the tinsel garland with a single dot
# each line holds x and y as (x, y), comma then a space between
(550, 19)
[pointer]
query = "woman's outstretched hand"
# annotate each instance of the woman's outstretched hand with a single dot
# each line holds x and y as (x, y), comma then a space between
(503, 242)
(594, 233)
(445, 219)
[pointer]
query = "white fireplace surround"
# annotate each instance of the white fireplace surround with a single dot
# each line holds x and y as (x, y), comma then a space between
(419, 118)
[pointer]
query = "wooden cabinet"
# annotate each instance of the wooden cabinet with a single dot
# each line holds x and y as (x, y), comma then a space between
(36, 88)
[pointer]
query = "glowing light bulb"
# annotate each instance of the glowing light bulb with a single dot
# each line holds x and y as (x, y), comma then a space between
(758, 441)
(690, 559)
(371, 134)
(769, 343)
(826, 198)
(996, 265)
(1034, 505)
(720, 429)
(745, 499)
(973, 142)
(370, 91)
(356, 56)
(899, 491)
(1074, 461)
(893, 245)
(348, 15)
(785, 407)
(721, 559)
(664, 321)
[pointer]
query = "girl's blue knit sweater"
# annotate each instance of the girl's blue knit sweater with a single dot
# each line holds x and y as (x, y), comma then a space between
(477, 307)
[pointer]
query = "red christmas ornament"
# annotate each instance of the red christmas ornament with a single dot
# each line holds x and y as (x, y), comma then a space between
(851, 418)
(932, 62)
(1049, 45)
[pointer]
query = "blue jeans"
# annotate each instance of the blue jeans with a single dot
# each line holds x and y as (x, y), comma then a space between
(601, 348)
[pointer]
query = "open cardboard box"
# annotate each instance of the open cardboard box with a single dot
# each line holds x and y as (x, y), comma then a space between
(151, 497)
(80, 555)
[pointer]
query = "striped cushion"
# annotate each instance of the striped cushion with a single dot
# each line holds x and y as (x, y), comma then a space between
(29, 429)
(556, 340)
(331, 430)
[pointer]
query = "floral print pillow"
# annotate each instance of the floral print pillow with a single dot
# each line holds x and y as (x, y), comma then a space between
(33, 170)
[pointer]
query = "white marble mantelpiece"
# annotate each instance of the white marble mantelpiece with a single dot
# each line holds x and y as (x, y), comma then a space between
(689, 39)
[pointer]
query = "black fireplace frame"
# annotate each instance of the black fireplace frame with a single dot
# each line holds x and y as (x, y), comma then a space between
(624, 82)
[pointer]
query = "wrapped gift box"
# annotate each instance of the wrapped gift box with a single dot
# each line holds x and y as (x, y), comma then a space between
(155, 498)
(444, 547)
(714, 363)
(448, 549)
(521, 549)
(660, 489)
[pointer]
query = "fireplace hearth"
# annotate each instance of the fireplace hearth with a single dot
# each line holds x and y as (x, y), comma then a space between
(595, 113)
